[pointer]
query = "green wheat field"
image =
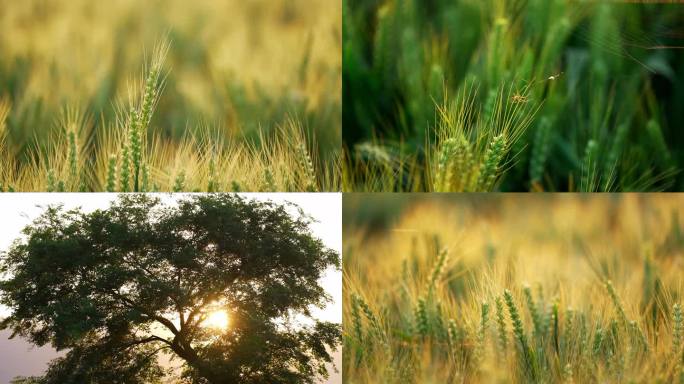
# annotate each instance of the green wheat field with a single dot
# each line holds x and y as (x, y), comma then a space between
(519, 95)
(513, 288)
(170, 95)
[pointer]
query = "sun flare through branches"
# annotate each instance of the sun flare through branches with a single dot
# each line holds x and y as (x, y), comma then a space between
(218, 320)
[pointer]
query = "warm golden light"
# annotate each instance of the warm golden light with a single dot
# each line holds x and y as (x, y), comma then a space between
(217, 320)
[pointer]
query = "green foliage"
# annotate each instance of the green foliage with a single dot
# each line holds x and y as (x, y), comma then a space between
(108, 361)
(114, 287)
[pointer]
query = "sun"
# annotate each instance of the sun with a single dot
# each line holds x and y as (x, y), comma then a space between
(217, 320)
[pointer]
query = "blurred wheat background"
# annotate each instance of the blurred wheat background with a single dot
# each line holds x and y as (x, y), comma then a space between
(520, 95)
(513, 288)
(236, 73)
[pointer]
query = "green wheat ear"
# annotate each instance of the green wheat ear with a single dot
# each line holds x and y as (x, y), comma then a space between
(356, 318)
(212, 185)
(534, 313)
(111, 174)
(421, 317)
(269, 181)
(454, 165)
(555, 325)
(73, 154)
(678, 329)
(519, 332)
(677, 334)
(140, 117)
(639, 335)
(567, 339)
(370, 316)
(489, 169)
(454, 335)
(516, 321)
(235, 186)
(179, 182)
(51, 181)
(446, 152)
(543, 313)
(616, 303)
(124, 172)
(462, 167)
(306, 164)
(482, 332)
(598, 342)
(501, 326)
(145, 187)
(357, 328)
(134, 141)
(437, 271)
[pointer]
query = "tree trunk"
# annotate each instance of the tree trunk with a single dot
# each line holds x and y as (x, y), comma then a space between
(185, 351)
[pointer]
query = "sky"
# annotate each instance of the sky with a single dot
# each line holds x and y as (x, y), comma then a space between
(20, 358)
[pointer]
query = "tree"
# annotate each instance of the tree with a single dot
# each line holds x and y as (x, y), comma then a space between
(116, 287)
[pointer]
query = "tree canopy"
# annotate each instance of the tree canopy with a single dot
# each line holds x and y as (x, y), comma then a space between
(114, 288)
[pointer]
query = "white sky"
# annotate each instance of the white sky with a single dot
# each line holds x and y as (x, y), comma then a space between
(19, 209)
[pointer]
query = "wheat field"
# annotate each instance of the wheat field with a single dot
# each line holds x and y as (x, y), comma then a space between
(519, 95)
(170, 96)
(513, 288)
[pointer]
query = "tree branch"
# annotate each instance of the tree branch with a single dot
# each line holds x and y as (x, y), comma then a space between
(163, 321)
(153, 338)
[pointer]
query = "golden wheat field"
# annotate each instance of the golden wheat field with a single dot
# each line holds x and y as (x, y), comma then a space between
(169, 95)
(514, 288)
